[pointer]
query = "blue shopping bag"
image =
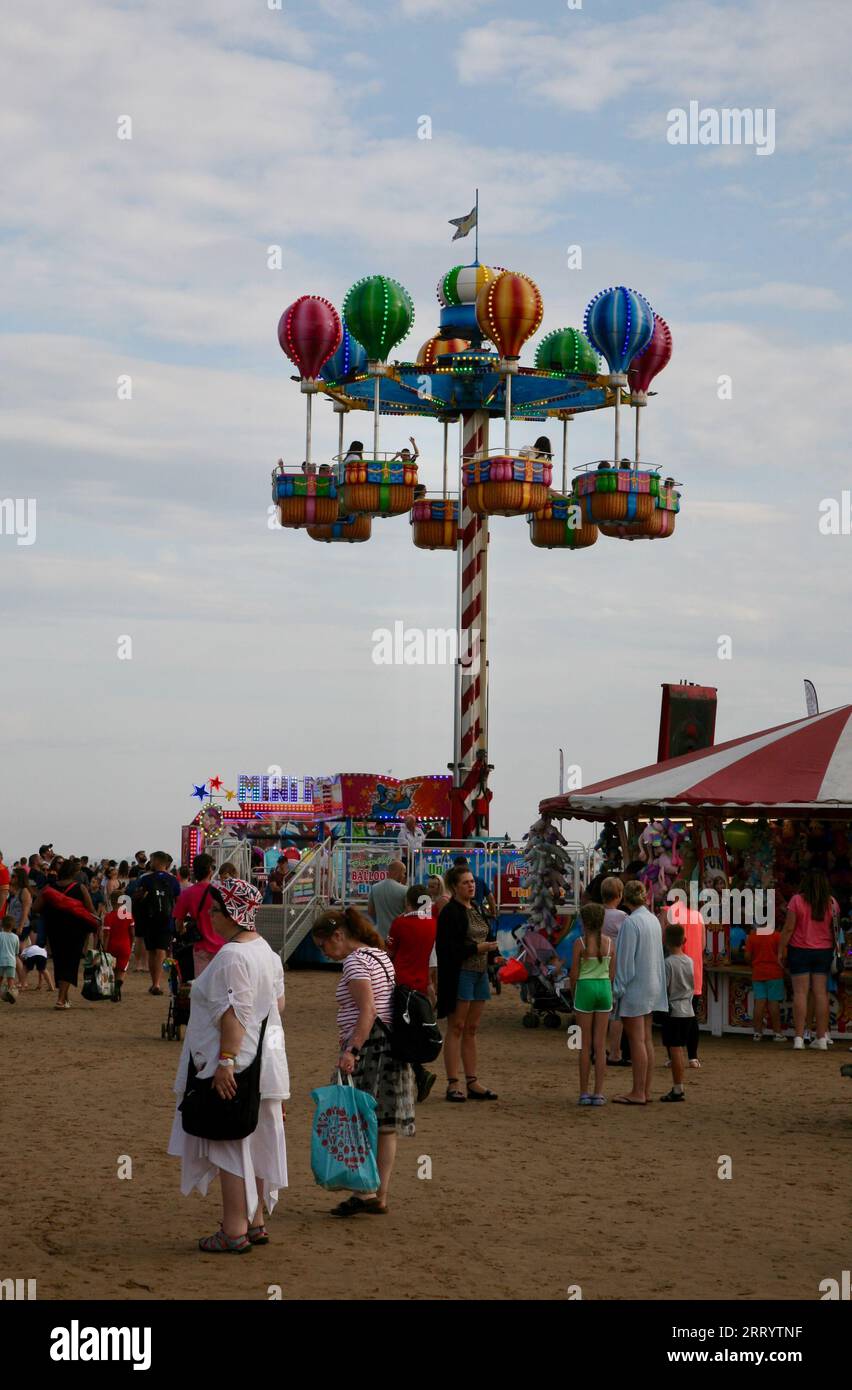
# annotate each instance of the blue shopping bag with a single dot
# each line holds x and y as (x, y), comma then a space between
(344, 1139)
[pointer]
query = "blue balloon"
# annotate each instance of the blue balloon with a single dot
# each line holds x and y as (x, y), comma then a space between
(349, 357)
(619, 323)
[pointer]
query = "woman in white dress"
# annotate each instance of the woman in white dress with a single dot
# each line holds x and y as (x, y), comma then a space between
(242, 986)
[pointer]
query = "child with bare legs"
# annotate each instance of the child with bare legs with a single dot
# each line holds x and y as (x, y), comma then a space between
(680, 985)
(592, 967)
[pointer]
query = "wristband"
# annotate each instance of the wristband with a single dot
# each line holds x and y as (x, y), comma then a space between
(226, 1061)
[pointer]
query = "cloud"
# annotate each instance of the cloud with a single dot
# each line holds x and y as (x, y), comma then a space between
(776, 294)
(752, 54)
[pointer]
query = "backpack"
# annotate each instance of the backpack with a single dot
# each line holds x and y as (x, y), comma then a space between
(153, 906)
(414, 1032)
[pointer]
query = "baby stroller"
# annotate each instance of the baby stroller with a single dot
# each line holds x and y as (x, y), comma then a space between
(179, 992)
(545, 991)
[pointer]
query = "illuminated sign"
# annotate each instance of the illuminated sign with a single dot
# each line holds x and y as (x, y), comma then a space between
(276, 788)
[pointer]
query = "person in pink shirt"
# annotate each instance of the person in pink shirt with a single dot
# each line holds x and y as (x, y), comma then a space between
(194, 902)
(679, 915)
(807, 949)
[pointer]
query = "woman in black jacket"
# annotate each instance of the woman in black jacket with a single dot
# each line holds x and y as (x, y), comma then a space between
(463, 950)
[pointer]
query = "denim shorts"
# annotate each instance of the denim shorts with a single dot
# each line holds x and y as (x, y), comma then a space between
(473, 986)
(801, 961)
(773, 990)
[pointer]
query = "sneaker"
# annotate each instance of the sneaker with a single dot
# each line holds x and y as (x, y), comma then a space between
(757, 1037)
(778, 1037)
(426, 1085)
(798, 1044)
(829, 1039)
(819, 1045)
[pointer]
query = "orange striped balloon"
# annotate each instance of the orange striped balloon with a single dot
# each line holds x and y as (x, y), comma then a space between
(509, 310)
(433, 347)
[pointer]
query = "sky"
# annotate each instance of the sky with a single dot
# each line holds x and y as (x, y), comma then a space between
(297, 127)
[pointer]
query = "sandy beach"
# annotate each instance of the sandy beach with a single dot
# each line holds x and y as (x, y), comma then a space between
(528, 1196)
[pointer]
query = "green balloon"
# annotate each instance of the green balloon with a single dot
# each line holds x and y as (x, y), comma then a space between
(738, 835)
(567, 350)
(378, 312)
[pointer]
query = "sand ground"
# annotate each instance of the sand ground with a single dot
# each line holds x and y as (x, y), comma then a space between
(528, 1196)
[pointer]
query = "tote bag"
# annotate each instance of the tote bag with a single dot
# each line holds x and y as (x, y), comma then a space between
(344, 1138)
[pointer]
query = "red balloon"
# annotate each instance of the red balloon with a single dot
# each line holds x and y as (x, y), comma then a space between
(650, 363)
(309, 331)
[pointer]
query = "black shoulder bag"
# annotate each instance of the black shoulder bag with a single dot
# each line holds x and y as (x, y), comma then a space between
(188, 929)
(414, 1033)
(207, 1116)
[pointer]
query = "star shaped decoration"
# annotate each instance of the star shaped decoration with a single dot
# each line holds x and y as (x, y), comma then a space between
(200, 791)
(215, 784)
(229, 796)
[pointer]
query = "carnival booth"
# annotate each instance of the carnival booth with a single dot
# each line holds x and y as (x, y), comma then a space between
(744, 817)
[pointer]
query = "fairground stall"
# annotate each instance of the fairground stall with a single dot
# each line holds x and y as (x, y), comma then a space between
(743, 818)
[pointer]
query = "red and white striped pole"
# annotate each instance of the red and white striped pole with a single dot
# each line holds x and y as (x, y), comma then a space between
(470, 774)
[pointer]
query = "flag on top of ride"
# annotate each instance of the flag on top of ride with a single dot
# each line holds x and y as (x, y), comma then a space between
(463, 225)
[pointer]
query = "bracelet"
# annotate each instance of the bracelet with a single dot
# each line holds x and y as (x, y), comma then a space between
(226, 1061)
(233, 1055)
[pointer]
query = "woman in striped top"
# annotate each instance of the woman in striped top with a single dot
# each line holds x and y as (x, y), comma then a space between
(364, 1016)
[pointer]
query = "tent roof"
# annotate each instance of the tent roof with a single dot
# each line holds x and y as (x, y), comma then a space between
(804, 768)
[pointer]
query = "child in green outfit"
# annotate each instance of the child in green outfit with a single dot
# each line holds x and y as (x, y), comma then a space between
(592, 969)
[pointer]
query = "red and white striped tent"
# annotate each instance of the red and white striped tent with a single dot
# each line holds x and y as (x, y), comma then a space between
(801, 768)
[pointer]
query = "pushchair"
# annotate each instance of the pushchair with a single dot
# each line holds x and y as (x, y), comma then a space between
(179, 993)
(545, 991)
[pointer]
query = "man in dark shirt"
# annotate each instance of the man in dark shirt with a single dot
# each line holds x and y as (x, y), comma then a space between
(153, 896)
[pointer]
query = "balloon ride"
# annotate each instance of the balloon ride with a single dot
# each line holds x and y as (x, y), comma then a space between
(470, 372)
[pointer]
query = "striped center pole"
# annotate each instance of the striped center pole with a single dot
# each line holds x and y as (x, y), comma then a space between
(472, 684)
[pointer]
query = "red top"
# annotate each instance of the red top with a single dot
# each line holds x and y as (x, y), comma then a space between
(409, 945)
(4, 883)
(761, 949)
(189, 904)
(119, 933)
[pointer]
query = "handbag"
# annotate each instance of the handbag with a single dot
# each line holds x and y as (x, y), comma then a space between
(207, 1116)
(344, 1138)
(98, 976)
(838, 962)
(188, 929)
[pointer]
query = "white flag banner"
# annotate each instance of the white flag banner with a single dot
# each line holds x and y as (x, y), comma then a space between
(811, 701)
(463, 225)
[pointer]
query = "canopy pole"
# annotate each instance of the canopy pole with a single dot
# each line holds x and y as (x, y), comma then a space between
(617, 458)
(308, 459)
(340, 437)
(508, 409)
(636, 449)
(376, 399)
(446, 444)
(565, 456)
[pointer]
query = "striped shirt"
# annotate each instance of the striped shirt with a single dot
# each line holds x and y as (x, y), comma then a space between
(364, 964)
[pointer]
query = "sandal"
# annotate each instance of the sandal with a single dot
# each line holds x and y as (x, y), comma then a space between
(598, 1100)
(220, 1244)
(258, 1235)
(627, 1100)
(484, 1094)
(673, 1095)
(354, 1205)
(585, 1099)
(453, 1092)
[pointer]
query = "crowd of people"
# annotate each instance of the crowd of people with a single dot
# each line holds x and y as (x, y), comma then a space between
(626, 967)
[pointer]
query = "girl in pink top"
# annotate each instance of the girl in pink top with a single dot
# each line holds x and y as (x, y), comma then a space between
(807, 949)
